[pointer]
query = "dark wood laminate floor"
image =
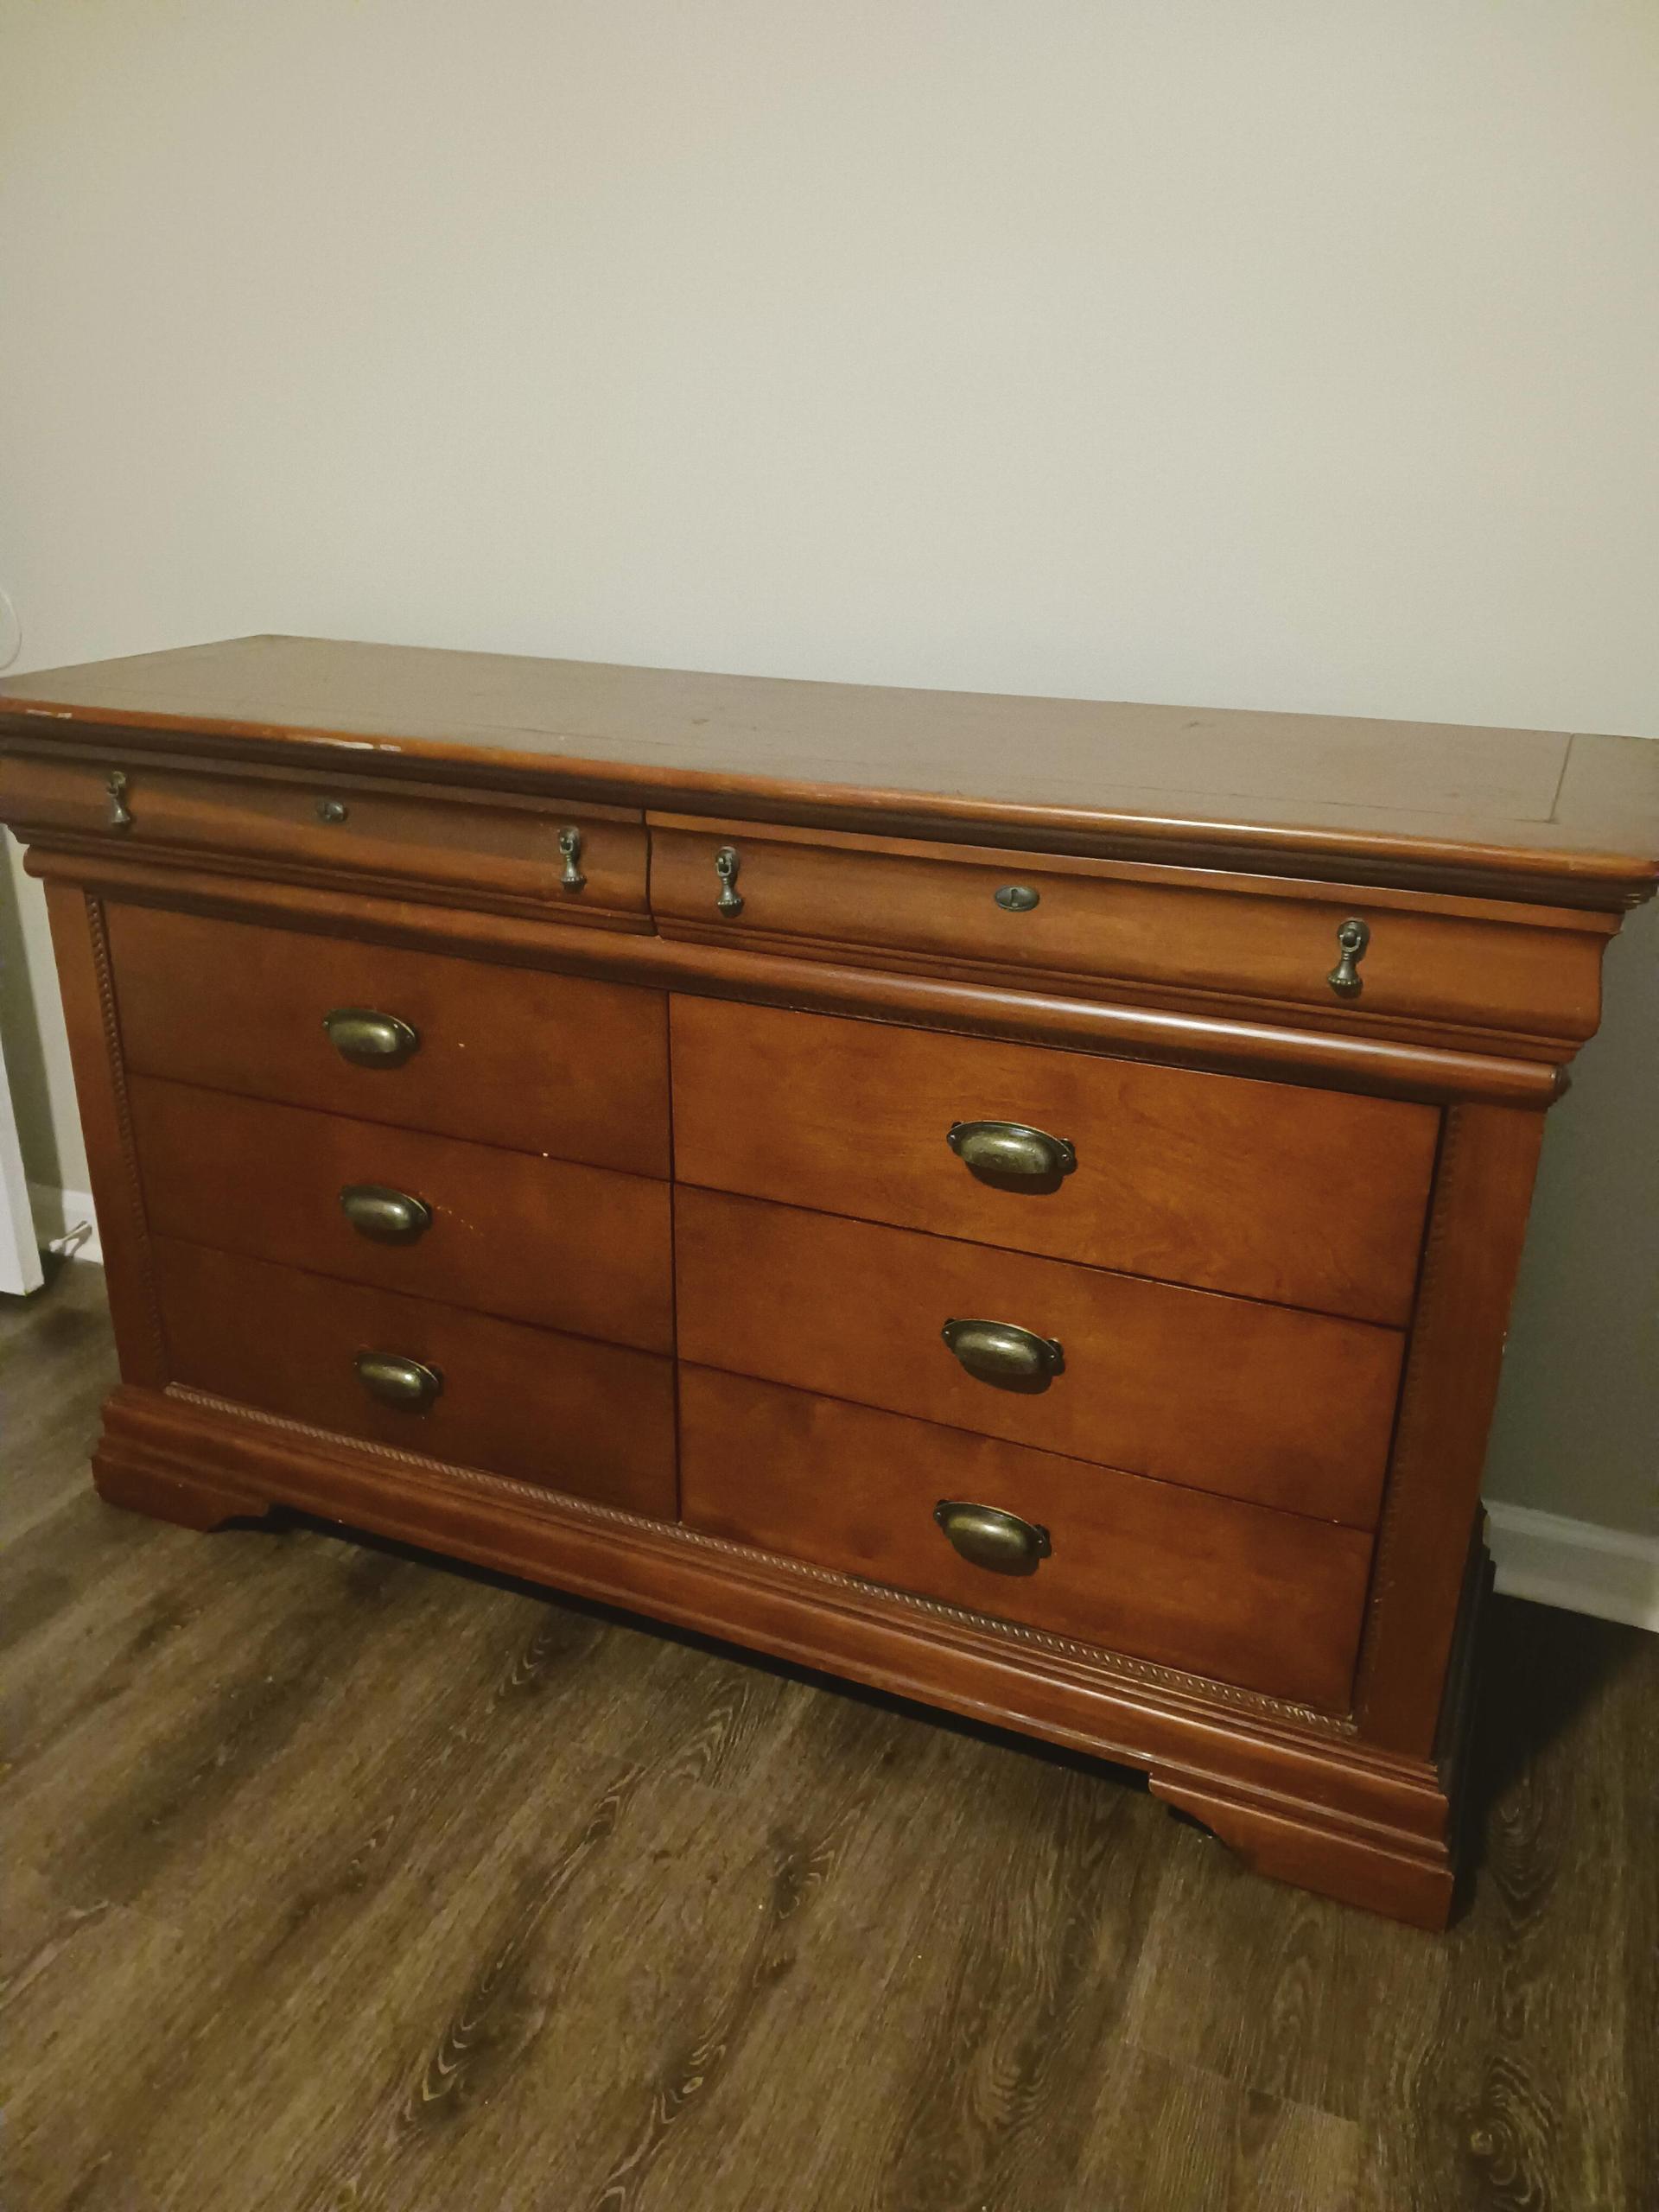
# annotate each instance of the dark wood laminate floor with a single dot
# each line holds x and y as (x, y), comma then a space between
(339, 1878)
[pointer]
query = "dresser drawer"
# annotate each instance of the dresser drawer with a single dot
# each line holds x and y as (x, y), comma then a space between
(1308, 1197)
(1268, 1600)
(1185, 937)
(1289, 1408)
(543, 1241)
(508, 1056)
(501, 849)
(595, 1421)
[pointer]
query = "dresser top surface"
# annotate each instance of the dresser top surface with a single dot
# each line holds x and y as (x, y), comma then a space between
(1522, 813)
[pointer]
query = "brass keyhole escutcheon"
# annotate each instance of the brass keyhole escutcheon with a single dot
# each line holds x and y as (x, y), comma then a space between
(1017, 898)
(571, 877)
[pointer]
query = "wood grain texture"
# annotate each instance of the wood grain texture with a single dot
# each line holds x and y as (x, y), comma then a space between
(544, 1064)
(1450, 968)
(1263, 1402)
(1483, 1189)
(1120, 1023)
(1414, 802)
(1270, 1600)
(543, 1241)
(340, 1877)
(559, 1411)
(1225, 1184)
(505, 852)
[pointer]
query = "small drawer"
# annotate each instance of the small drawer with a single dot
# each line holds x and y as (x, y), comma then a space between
(508, 1056)
(582, 863)
(1184, 937)
(1270, 1601)
(544, 1241)
(594, 1420)
(1307, 1198)
(1288, 1409)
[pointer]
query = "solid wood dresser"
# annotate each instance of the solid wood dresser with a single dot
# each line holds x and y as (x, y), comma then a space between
(1014, 1201)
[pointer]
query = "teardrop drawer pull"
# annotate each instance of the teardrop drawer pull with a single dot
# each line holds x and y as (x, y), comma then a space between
(570, 876)
(1001, 1353)
(1017, 898)
(988, 1538)
(388, 1215)
(729, 903)
(396, 1382)
(1002, 1149)
(370, 1039)
(1352, 937)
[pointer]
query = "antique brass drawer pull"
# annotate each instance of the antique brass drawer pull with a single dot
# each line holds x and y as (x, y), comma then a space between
(726, 863)
(1017, 898)
(1352, 937)
(988, 1538)
(397, 1381)
(999, 1352)
(1010, 1148)
(390, 1217)
(370, 1039)
(115, 784)
(571, 877)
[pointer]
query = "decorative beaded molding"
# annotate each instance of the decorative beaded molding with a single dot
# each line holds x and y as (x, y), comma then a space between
(1111, 1665)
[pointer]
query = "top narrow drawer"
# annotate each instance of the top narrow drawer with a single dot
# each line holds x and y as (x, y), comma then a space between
(1440, 967)
(583, 863)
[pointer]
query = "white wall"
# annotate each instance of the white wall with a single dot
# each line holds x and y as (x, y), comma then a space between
(1279, 355)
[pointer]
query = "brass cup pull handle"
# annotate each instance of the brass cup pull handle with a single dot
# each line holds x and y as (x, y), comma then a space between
(988, 1538)
(1010, 1150)
(1001, 1353)
(394, 1382)
(388, 1215)
(370, 1039)
(1352, 937)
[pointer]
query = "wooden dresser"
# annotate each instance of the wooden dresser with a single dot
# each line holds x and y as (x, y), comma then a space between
(1013, 1201)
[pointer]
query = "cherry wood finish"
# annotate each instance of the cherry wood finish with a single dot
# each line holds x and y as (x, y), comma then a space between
(547, 1063)
(565, 1247)
(1268, 1599)
(556, 1411)
(1571, 819)
(1445, 967)
(1386, 1067)
(1289, 1408)
(1175, 999)
(334, 829)
(1301, 1196)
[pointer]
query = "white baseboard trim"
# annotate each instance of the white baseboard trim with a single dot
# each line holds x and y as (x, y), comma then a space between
(65, 1222)
(1611, 1572)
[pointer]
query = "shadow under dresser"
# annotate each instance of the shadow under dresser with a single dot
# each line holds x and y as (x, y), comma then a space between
(1012, 1201)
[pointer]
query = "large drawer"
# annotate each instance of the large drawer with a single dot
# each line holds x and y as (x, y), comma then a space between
(1180, 936)
(1290, 1409)
(1309, 1197)
(1268, 1600)
(510, 1056)
(544, 1241)
(502, 850)
(595, 1421)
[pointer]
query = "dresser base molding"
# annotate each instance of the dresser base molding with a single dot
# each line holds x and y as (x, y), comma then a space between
(1291, 1790)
